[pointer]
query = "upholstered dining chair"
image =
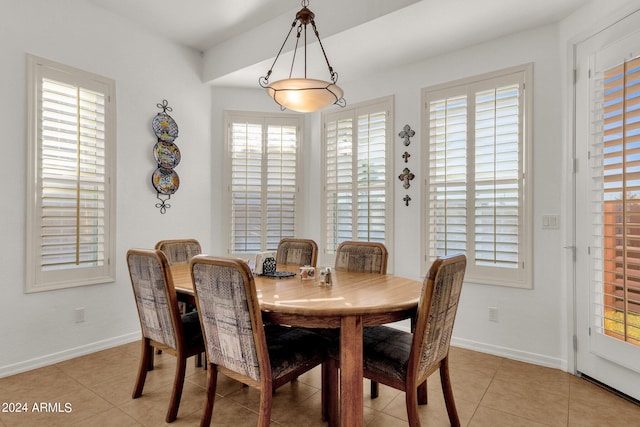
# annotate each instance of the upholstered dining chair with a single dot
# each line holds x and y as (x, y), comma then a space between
(238, 343)
(363, 257)
(297, 252)
(163, 327)
(179, 251)
(404, 360)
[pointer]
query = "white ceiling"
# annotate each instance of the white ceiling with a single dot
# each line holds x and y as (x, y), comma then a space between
(358, 35)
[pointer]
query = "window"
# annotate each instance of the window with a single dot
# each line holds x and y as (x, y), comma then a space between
(263, 154)
(357, 165)
(71, 180)
(478, 198)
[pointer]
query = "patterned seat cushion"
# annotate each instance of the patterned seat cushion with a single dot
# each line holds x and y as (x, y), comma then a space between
(386, 350)
(291, 347)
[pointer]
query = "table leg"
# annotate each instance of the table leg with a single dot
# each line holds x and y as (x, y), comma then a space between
(351, 396)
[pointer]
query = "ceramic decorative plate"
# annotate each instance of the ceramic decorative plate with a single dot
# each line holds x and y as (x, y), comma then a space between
(165, 181)
(164, 127)
(167, 154)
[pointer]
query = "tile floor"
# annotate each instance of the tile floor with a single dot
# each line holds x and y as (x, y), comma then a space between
(490, 391)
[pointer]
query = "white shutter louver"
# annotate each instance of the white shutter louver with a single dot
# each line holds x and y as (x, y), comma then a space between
(246, 187)
(497, 177)
(263, 153)
(72, 177)
(448, 176)
(371, 177)
(339, 182)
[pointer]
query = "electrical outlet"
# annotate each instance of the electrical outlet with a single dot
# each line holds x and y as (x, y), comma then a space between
(79, 314)
(493, 314)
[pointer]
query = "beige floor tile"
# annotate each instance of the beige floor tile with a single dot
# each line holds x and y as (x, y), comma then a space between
(527, 400)
(112, 418)
(384, 420)
(551, 380)
(487, 417)
(592, 405)
(150, 409)
(461, 359)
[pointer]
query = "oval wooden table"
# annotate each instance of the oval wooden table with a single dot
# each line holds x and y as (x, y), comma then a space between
(354, 300)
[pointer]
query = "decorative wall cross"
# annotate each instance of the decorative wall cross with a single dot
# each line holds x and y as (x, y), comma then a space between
(406, 176)
(406, 134)
(406, 156)
(406, 199)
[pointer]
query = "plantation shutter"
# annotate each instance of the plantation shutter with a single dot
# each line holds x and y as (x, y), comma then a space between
(497, 177)
(372, 176)
(263, 155)
(72, 177)
(246, 187)
(475, 192)
(615, 173)
(356, 168)
(69, 239)
(339, 182)
(448, 176)
(281, 183)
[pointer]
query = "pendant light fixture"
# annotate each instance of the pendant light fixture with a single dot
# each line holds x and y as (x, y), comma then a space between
(303, 94)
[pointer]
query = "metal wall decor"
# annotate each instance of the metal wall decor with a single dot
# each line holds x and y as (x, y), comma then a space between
(407, 133)
(167, 156)
(406, 176)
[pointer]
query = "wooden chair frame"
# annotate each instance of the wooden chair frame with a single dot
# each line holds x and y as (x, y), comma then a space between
(181, 351)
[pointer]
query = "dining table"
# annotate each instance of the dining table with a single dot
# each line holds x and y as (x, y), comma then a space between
(352, 301)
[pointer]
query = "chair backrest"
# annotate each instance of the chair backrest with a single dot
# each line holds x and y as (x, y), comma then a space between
(436, 313)
(155, 296)
(362, 257)
(297, 252)
(179, 251)
(230, 316)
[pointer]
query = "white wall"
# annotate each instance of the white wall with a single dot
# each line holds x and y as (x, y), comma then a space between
(39, 328)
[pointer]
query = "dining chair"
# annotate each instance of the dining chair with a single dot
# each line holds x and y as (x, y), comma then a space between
(179, 251)
(238, 343)
(163, 327)
(404, 360)
(362, 257)
(297, 252)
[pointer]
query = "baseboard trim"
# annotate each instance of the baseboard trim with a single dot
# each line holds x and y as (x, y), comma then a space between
(510, 353)
(71, 353)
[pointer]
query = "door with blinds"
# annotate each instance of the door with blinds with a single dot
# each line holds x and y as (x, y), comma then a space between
(608, 207)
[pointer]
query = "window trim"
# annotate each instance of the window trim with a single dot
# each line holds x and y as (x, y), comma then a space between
(264, 119)
(37, 68)
(383, 103)
(524, 279)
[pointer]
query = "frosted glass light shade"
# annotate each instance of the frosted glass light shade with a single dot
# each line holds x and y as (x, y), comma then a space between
(304, 95)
